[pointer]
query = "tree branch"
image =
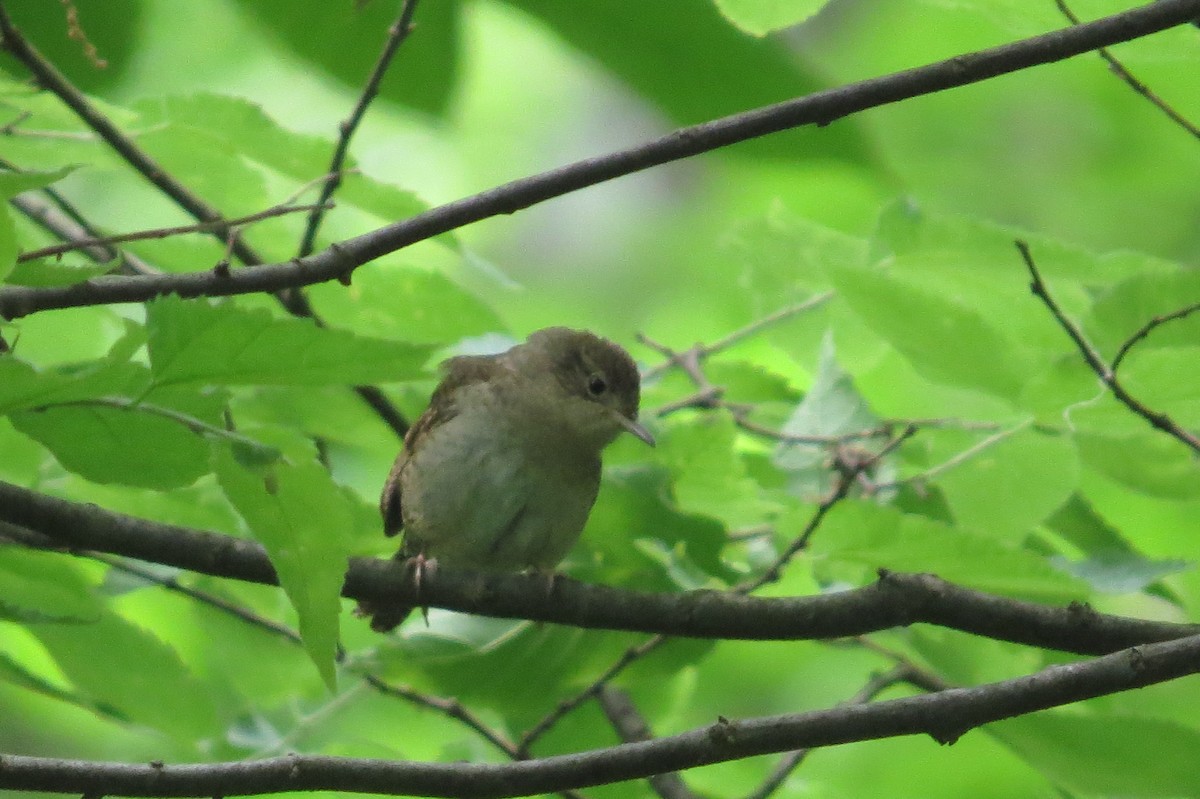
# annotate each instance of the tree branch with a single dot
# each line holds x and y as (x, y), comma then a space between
(820, 108)
(945, 716)
(1106, 373)
(397, 33)
(894, 600)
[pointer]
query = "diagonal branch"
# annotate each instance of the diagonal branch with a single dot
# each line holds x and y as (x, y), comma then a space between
(1132, 81)
(945, 716)
(894, 600)
(1095, 361)
(396, 36)
(820, 108)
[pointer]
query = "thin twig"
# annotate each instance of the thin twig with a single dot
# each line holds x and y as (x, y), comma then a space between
(397, 33)
(846, 474)
(1128, 77)
(958, 459)
(1107, 375)
(627, 658)
(203, 597)
(702, 352)
(164, 232)
(1147, 329)
(197, 426)
(845, 478)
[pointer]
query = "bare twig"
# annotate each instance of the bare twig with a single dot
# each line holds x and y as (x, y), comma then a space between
(894, 600)
(566, 706)
(164, 232)
(1124, 74)
(1147, 329)
(699, 352)
(846, 473)
(448, 707)
(51, 217)
(398, 32)
(48, 76)
(451, 708)
(958, 459)
(1106, 373)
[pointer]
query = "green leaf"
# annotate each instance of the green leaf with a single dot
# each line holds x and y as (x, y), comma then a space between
(939, 331)
(1147, 461)
(16, 674)
(832, 407)
(879, 537)
(760, 17)
(236, 123)
(8, 244)
(632, 505)
(1120, 572)
(399, 301)
(44, 272)
(195, 342)
(22, 386)
(40, 586)
(302, 519)
(708, 475)
(1009, 487)
(1129, 305)
(1166, 381)
(1107, 755)
(131, 446)
(13, 183)
(123, 666)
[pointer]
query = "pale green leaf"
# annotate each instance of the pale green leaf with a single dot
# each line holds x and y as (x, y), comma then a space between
(1007, 487)
(124, 666)
(45, 272)
(1107, 755)
(106, 444)
(708, 475)
(13, 183)
(40, 586)
(760, 17)
(196, 342)
(302, 519)
(940, 332)
(22, 386)
(879, 537)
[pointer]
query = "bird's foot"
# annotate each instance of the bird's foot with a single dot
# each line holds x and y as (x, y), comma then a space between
(422, 566)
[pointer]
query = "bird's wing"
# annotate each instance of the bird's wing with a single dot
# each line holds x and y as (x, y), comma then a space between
(461, 371)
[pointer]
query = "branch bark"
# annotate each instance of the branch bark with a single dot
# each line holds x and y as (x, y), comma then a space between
(820, 108)
(894, 600)
(945, 716)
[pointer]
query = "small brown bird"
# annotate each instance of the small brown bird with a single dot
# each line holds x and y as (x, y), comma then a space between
(502, 469)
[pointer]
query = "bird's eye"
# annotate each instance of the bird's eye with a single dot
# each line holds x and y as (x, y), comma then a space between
(597, 385)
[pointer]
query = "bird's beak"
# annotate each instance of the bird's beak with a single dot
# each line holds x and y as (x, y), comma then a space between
(638, 430)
